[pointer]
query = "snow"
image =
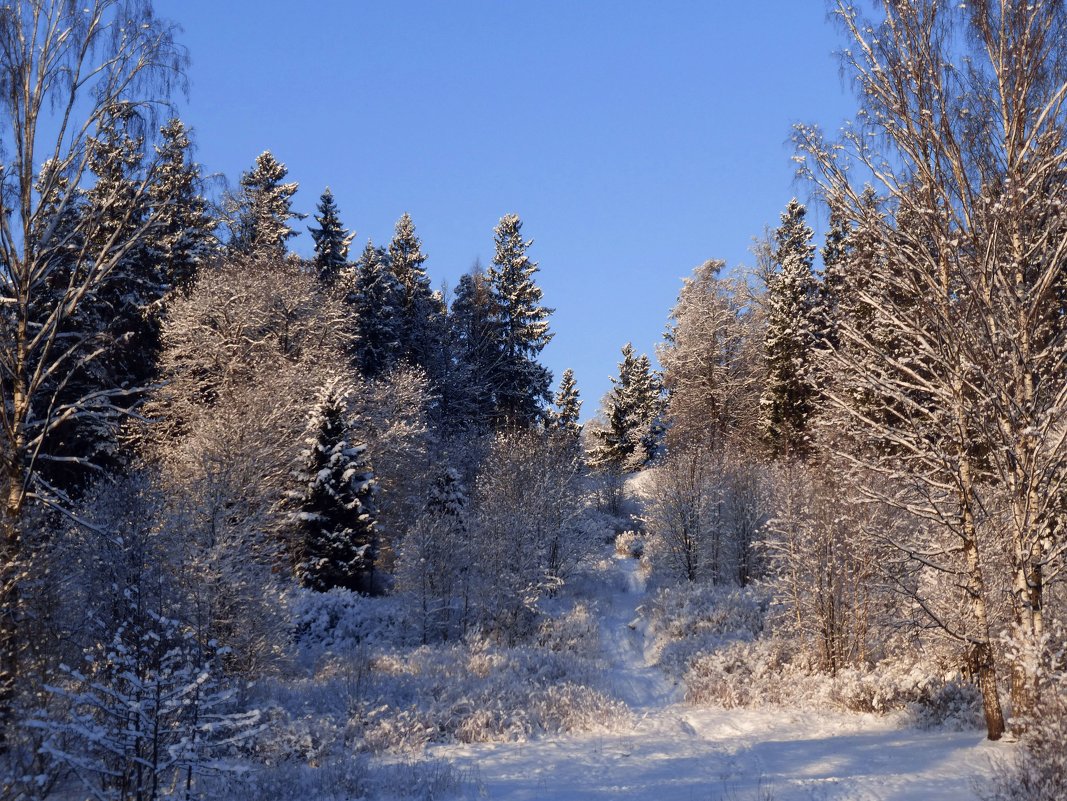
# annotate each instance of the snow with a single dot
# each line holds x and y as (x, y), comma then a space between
(673, 751)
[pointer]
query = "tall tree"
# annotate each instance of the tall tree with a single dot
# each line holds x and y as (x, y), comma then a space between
(377, 303)
(711, 367)
(474, 349)
(184, 236)
(423, 310)
(520, 384)
(64, 67)
(968, 101)
(120, 326)
(261, 210)
(788, 397)
(633, 409)
(331, 240)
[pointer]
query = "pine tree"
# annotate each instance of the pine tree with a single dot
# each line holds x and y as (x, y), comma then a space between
(422, 326)
(788, 397)
(520, 384)
(377, 301)
(262, 210)
(567, 414)
(331, 240)
(184, 236)
(334, 514)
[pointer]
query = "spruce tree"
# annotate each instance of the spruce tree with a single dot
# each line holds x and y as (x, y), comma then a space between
(793, 328)
(262, 210)
(422, 325)
(184, 236)
(474, 349)
(57, 237)
(448, 498)
(648, 412)
(331, 240)
(520, 384)
(334, 513)
(633, 409)
(567, 414)
(117, 328)
(377, 302)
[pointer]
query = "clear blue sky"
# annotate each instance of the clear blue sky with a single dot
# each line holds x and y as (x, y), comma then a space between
(635, 139)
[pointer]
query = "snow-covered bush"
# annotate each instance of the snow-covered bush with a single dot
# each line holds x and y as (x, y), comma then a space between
(894, 684)
(741, 673)
(528, 533)
(1038, 770)
(574, 631)
(689, 619)
(769, 671)
(340, 621)
(630, 543)
(477, 694)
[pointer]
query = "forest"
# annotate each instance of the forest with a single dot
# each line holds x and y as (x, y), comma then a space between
(278, 527)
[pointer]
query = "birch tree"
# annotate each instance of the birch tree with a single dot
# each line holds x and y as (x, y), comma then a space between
(63, 67)
(962, 134)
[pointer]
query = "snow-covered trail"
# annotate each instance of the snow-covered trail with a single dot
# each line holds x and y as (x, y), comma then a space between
(641, 686)
(676, 752)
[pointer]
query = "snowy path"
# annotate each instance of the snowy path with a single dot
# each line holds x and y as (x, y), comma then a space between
(641, 686)
(676, 752)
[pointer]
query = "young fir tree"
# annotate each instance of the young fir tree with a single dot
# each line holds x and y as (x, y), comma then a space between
(793, 328)
(262, 213)
(331, 240)
(520, 384)
(422, 311)
(633, 410)
(150, 708)
(334, 514)
(567, 414)
(377, 301)
(184, 235)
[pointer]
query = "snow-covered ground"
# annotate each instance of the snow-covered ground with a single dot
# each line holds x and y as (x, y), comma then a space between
(677, 752)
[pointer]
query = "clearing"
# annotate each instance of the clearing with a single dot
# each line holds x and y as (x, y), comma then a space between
(679, 752)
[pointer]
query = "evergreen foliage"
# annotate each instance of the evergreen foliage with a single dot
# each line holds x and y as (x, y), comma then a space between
(149, 712)
(474, 350)
(184, 233)
(331, 240)
(377, 303)
(567, 414)
(262, 210)
(422, 313)
(334, 514)
(633, 408)
(520, 324)
(114, 339)
(793, 328)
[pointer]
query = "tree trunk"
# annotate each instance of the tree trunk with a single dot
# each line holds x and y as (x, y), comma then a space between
(9, 599)
(985, 668)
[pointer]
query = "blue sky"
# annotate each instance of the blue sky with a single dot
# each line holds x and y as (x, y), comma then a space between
(635, 139)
